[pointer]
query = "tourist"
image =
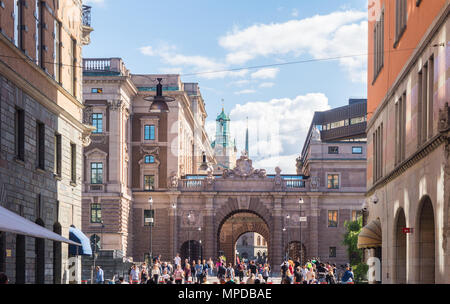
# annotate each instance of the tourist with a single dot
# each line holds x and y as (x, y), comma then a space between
(156, 273)
(251, 279)
(221, 271)
(100, 279)
(211, 267)
(198, 271)
(179, 275)
(348, 276)
(322, 273)
(230, 272)
(144, 274)
(177, 260)
(121, 281)
(310, 275)
(266, 272)
(165, 276)
(134, 275)
(187, 273)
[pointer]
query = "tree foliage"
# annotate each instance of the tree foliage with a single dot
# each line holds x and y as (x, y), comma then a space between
(353, 228)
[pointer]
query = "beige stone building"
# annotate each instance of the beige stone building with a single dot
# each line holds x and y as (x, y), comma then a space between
(407, 236)
(135, 151)
(42, 132)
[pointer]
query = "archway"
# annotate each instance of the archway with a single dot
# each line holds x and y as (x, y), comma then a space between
(426, 242)
(235, 225)
(191, 250)
(295, 250)
(400, 248)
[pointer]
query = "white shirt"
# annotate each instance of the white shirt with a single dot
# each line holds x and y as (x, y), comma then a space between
(177, 260)
(134, 275)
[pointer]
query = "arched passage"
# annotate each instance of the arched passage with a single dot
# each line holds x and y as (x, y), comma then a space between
(426, 242)
(400, 248)
(235, 225)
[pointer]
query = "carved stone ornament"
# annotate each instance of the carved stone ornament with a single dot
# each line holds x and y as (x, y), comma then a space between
(173, 180)
(244, 169)
(444, 118)
(278, 180)
(315, 182)
(210, 176)
(315, 134)
(114, 105)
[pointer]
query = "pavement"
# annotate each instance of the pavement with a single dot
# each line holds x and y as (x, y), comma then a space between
(273, 280)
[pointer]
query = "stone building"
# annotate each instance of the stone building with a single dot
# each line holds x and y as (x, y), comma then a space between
(41, 132)
(407, 236)
(252, 246)
(135, 151)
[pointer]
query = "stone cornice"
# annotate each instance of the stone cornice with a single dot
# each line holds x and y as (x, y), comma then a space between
(420, 154)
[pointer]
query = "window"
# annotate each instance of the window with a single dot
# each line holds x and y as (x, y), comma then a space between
(57, 49)
(357, 120)
(378, 46)
(400, 129)
(258, 241)
(73, 162)
(149, 132)
(357, 150)
(149, 159)
(149, 182)
(40, 145)
(400, 19)
(333, 181)
(96, 173)
(19, 24)
(333, 150)
(97, 90)
(73, 68)
(96, 213)
(425, 100)
(332, 218)
(332, 252)
(97, 121)
(149, 218)
(355, 215)
(377, 154)
(58, 151)
(20, 134)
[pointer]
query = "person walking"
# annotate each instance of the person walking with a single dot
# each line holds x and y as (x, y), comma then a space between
(144, 274)
(187, 274)
(179, 275)
(100, 279)
(221, 271)
(198, 271)
(266, 272)
(156, 273)
(177, 260)
(134, 275)
(230, 272)
(210, 267)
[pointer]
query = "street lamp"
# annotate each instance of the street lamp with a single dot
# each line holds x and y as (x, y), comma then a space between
(150, 201)
(300, 203)
(288, 245)
(189, 238)
(200, 235)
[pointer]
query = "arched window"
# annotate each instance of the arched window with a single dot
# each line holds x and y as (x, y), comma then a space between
(258, 242)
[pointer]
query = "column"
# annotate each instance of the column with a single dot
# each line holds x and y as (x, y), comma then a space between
(313, 218)
(209, 244)
(276, 252)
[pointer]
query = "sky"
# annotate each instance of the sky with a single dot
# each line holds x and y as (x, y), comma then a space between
(236, 51)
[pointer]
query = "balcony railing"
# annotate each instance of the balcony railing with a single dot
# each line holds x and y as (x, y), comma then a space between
(87, 15)
(105, 66)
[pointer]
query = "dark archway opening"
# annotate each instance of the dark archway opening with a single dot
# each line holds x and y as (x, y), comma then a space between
(236, 224)
(400, 249)
(426, 243)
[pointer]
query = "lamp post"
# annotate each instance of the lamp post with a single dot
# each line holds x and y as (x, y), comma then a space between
(285, 254)
(287, 225)
(300, 203)
(150, 201)
(189, 238)
(200, 235)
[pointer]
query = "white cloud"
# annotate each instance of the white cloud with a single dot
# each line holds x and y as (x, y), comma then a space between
(277, 128)
(294, 12)
(266, 85)
(337, 34)
(266, 73)
(147, 50)
(247, 91)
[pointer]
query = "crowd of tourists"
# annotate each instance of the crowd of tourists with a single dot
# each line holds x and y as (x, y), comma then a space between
(315, 272)
(192, 272)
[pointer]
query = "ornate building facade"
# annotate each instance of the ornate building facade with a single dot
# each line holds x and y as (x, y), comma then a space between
(135, 151)
(41, 132)
(407, 236)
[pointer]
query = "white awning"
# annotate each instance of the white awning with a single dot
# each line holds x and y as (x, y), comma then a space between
(14, 223)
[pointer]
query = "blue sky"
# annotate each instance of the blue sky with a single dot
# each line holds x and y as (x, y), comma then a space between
(198, 36)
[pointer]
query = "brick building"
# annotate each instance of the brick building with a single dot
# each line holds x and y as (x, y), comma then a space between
(41, 132)
(408, 142)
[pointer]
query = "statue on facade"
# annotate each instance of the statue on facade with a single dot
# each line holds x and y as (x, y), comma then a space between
(299, 165)
(278, 180)
(315, 134)
(315, 181)
(210, 176)
(173, 180)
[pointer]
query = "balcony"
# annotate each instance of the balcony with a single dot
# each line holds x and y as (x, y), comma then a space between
(86, 25)
(350, 131)
(104, 67)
